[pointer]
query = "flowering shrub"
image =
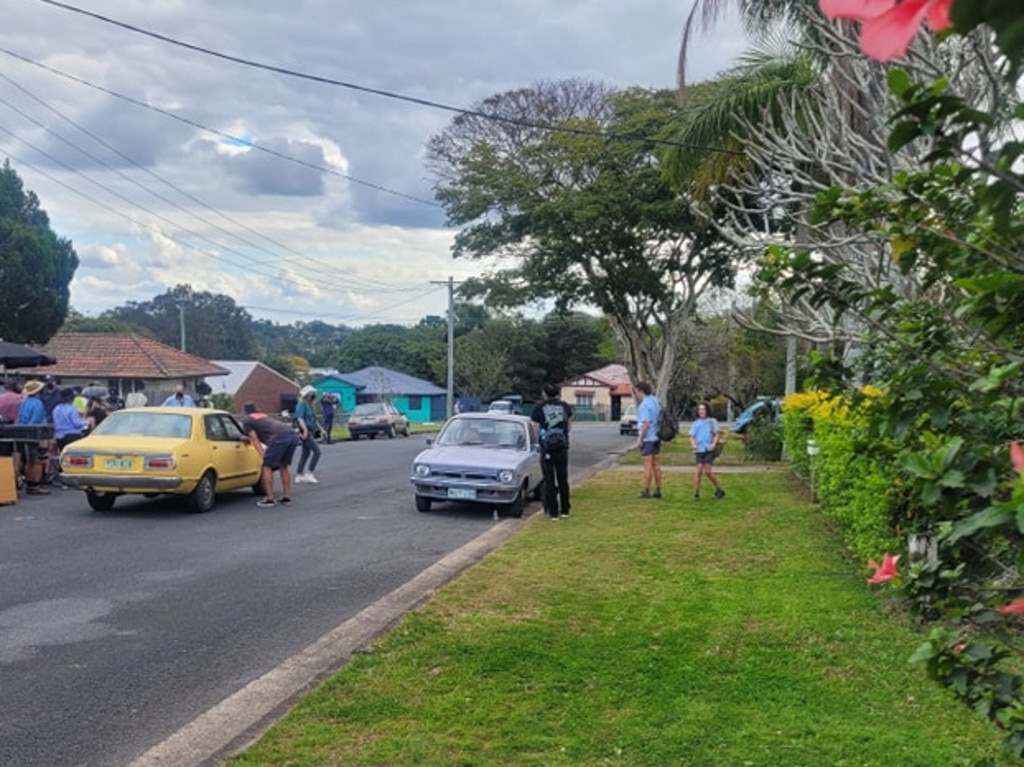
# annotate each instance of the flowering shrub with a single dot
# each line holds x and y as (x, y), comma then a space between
(889, 26)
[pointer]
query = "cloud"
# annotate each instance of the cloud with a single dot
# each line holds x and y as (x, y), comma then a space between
(221, 214)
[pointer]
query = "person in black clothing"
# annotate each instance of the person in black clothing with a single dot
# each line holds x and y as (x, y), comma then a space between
(553, 418)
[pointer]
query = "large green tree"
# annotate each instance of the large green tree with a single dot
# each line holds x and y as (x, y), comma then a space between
(580, 216)
(36, 266)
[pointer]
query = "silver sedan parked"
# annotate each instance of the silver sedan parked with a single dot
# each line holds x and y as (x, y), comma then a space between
(486, 458)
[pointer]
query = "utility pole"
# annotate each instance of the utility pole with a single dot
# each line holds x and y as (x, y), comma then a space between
(450, 401)
(181, 320)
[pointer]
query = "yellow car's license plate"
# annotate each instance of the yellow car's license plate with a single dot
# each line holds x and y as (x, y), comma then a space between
(118, 463)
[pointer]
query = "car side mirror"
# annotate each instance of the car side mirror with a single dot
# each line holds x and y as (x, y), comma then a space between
(430, 441)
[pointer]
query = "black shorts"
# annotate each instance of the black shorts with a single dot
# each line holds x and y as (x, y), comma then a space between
(707, 457)
(280, 451)
(650, 447)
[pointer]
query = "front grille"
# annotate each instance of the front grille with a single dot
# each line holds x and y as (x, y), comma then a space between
(470, 475)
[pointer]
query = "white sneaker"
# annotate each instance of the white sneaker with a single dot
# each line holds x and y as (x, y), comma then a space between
(299, 478)
(311, 479)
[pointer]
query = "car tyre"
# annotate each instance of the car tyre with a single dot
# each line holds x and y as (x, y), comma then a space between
(538, 492)
(422, 503)
(202, 498)
(407, 431)
(391, 431)
(515, 509)
(100, 501)
(372, 436)
(257, 488)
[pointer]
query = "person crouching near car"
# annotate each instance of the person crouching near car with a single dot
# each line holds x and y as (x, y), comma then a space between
(276, 443)
(32, 412)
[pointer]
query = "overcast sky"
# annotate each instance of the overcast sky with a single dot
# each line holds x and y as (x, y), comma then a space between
(151, 201)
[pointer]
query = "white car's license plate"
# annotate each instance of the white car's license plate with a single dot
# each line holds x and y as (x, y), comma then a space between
(118, 463)
(465, 494)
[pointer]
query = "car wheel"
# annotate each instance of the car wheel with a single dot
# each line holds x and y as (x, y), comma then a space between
(391, 431)
(201, 499)
(515, 509)
(257, 488)
(372, 436)
(100, 501)
(407, 432)
(422, 504)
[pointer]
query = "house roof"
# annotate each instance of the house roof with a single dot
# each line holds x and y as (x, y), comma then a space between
(613, 374)
(238, 371)
(384, 382)
(116, 355)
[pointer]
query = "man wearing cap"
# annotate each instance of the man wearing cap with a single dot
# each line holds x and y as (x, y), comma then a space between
(276, 442)
(33, 413)
(305, 419)
(179, 398)
(50, 395)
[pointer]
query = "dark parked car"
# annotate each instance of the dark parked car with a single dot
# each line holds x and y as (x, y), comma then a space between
(767, 407)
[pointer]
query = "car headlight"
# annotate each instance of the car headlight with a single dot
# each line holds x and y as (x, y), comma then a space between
(506, 475)
(421, 470)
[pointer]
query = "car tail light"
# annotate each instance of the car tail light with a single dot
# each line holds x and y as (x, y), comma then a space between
(160, 462)
(76, 460)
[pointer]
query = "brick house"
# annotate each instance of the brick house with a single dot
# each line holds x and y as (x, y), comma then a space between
(251, 381)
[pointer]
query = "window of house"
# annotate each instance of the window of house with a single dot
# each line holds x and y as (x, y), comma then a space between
(415, 402)
(584, 399)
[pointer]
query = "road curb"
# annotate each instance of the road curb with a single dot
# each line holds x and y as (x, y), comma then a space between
(242, 718)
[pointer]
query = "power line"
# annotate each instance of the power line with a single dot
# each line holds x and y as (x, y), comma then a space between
(370, 284)
(237, 139)
(522, 123)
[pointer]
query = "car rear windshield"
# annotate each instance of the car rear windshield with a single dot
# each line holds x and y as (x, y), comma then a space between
(373, 408)
(146, 425)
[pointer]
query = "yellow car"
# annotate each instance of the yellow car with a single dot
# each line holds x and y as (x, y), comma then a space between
(153, 451)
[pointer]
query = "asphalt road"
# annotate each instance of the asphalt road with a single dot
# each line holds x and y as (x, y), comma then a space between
(119, 628)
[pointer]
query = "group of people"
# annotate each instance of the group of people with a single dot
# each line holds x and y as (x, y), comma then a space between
(41, 403)
(705, 434)
(553, 418)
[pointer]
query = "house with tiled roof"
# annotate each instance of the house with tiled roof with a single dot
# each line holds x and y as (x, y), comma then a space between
(420, 401)
(252, 381)
(124, 363)
(601, 394)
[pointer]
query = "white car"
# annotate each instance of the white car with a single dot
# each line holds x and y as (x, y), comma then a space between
(628, 423)
(485, 458)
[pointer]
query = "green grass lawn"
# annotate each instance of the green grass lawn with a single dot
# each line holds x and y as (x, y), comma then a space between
(644, 632)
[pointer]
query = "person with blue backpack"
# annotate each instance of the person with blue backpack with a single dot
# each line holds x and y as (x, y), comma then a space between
(553, 418)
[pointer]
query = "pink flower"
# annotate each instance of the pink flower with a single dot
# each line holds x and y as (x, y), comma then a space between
(888, 26)
(885, 571)
(1017, 456)
(1016, 606)
(959, 647)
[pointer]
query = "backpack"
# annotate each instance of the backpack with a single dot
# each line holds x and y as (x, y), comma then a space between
(554, 439)
(723, 436)
(668, 426)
